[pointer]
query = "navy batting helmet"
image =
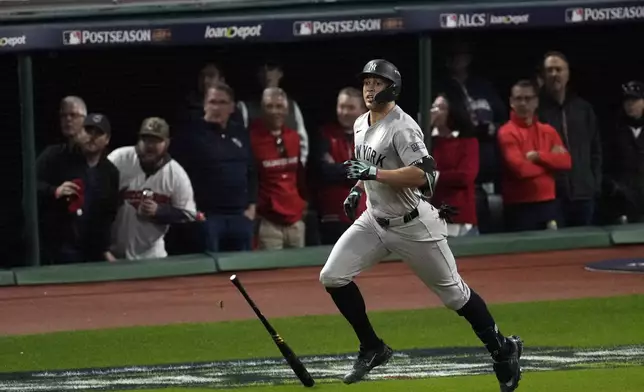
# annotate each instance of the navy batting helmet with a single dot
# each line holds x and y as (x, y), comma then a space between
(385, 70)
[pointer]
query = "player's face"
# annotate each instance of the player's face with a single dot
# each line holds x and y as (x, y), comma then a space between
(524, 101)
(557, 73)
(371, 87)
(634, 107)
(348, 109)
(151, 148)
(218, 106)
(71, 119)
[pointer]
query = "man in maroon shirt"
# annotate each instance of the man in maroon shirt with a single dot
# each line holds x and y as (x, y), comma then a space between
(276, 149)
(335, 146)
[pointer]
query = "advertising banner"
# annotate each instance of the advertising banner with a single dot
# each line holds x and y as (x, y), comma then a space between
(204, 31)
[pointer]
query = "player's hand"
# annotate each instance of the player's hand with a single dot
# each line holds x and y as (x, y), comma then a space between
(148, 208)
(67, 188)
(358, 170)
(351, 202)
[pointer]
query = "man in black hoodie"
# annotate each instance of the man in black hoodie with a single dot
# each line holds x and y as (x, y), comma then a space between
(624, 168)
(575, 121)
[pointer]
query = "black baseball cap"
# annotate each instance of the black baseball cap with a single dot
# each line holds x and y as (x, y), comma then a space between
(633, 90)
(98, 121)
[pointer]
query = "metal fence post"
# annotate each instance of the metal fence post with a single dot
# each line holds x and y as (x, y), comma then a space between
(29, 180)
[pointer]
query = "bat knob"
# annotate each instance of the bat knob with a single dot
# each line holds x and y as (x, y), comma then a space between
(233, 277)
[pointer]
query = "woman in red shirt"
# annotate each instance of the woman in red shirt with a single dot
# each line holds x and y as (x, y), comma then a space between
(456, 152)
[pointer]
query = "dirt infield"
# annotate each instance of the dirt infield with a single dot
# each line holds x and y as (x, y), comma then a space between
(294, 292)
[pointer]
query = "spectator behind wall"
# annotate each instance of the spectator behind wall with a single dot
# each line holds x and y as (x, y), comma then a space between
(142, 222)
(215, 152)
(624, 163)
(280, 204)
(72, 112)
(271, 74)
(456, 152)
(78, 196)
(575, 121)
(335, 146)
(486, 110)
(193, 110)
(532, 153)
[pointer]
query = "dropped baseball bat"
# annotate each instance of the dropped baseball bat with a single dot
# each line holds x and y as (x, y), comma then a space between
(288, 354)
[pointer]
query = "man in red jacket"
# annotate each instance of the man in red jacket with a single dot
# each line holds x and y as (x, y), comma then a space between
(532, 153)
(334, 147)
(276, 149)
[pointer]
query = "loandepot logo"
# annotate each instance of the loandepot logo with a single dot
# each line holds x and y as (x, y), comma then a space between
(576, 15)
(509, 19)
(412, 364)
(230, 32)
(82, 37)
(304, 28)
(13, 41)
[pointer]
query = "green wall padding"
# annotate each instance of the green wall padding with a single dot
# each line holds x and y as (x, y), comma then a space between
(531, 241)
(575, 238)
(121, 270)
(627, 234)
(7, 278)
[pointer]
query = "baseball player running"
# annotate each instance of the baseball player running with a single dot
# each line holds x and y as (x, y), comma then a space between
(394, 168)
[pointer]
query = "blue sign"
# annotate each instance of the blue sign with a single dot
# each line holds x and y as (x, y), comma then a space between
(210, 31)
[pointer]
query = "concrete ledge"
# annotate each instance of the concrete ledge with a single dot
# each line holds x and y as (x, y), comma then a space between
(627, 234)
(7, 278)
(123, 270)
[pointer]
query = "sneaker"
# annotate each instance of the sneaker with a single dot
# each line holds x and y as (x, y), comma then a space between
(367, 360)
(508, 368)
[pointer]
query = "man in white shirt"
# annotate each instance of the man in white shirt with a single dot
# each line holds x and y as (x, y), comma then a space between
(156, 192)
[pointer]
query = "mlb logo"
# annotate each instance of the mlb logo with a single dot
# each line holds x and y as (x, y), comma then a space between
(449, 20)
(72, 37)
(574, 15)
(302, 28)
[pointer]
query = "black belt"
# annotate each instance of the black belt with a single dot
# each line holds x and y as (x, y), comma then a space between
(383, 222)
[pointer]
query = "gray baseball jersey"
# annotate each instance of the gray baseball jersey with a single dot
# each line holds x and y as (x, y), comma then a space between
(394, 142)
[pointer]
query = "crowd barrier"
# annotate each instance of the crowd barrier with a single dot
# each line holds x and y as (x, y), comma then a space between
(200, 264)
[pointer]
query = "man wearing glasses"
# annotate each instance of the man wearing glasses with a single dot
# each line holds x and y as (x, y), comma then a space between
(72, 115)
(532, 152)
(215, 152)
(276, 149)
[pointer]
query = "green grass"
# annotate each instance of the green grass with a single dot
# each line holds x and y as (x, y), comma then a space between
(580, 323)
(622, 379)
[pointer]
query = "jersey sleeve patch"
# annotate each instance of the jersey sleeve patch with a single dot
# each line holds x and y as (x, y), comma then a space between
(417, 146)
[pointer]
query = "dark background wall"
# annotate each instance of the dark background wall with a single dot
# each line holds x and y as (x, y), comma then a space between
(134, 83)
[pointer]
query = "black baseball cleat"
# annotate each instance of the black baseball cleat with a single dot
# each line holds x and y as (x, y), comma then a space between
(367, 360)
(508, 368)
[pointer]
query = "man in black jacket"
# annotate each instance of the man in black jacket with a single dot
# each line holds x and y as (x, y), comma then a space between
(624, 168)
(215, 152)
(78, 196)
(575, 120)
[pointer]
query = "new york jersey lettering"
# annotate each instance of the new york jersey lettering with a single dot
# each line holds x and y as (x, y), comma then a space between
(367, 153)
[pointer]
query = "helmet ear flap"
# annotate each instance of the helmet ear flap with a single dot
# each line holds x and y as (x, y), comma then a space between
(389, 94)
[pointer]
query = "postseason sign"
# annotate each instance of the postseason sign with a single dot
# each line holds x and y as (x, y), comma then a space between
(318, 27)
(93, 37)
